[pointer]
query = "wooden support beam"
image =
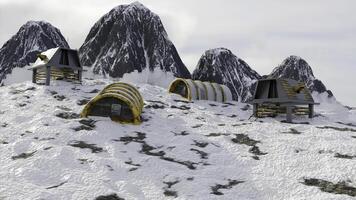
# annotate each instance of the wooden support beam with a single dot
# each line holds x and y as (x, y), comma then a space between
(34, 71)
(48, 75)
(289, 114)
(311, 110)
(255, 109)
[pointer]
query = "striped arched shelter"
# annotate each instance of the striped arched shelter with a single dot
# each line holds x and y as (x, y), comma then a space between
(120, 101)
(198, 90)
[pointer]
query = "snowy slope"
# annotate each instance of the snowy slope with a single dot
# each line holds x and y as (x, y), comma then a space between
(201, 150)
(128, 38)
(220, 65)
(21, 49)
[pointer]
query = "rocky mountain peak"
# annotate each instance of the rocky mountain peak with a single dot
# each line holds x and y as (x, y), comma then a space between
(220, 65)
(128, 38)
(295, 67)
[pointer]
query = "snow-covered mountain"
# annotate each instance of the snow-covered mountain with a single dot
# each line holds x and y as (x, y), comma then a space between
(220, 65)
(296, 68)
(32, 38)
(130, 37)
(184, 150)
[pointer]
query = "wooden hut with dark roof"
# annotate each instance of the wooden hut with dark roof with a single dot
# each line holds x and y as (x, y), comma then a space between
(275, 96)
(57, 64)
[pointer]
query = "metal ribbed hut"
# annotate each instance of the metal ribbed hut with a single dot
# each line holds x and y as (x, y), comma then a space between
(198, 90)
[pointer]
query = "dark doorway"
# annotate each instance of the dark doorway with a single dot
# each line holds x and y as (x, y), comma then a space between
(64, 57)
(113, 108)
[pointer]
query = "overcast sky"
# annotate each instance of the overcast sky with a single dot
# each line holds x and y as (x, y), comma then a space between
(262, 33)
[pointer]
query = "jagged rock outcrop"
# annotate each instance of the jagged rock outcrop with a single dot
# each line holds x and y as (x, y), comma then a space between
(296, 68)
(220, 65)
(32, 38)
(130, 37)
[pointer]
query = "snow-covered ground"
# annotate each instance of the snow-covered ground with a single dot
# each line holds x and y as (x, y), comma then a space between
(200, 150)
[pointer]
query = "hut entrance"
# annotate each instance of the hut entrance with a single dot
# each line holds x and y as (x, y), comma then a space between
(119, 101)
(113, 108)
(180, 88)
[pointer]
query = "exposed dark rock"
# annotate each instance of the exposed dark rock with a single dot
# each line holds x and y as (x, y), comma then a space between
(181, 101)
(47, 138)
(147, 149)
(155, 106)
(133, 164)
(183, 107)
(197, 126)
(4, 124)
(284, 121)
(94, 91)
(216, 189)
(345, 156)
(189, 164)
(109, 197)
(242, 124)
(47, 148)
(182, 133)
(217, 134)
(293, 131)
(255, 150)
(347, 124)
(19, 91)
(23, 155)
(337, 128)
(81, 102)
(55, 186)
(168, 191)
(200, 144)
(84, 161)
(130, 37)
(335, 188)
(82, 127)
(203, 155)
(84, 145)
(139, 138)
(68, 115)
(64, 108)
(244, 139)
(88, 122)
(59, 97)
(221, 66)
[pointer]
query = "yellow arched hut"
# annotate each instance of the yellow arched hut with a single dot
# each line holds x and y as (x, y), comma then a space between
(120, 101)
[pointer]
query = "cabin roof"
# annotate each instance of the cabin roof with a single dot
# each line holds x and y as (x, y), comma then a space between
(283, 91)
(52, 57)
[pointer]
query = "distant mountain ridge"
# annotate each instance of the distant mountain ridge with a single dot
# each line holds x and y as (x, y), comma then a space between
(32, 38)
(130, 37)
(294, 67)
(220, 65)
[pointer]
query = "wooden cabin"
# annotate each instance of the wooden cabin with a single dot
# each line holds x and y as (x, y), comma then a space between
(282, 96)
(57, 64)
